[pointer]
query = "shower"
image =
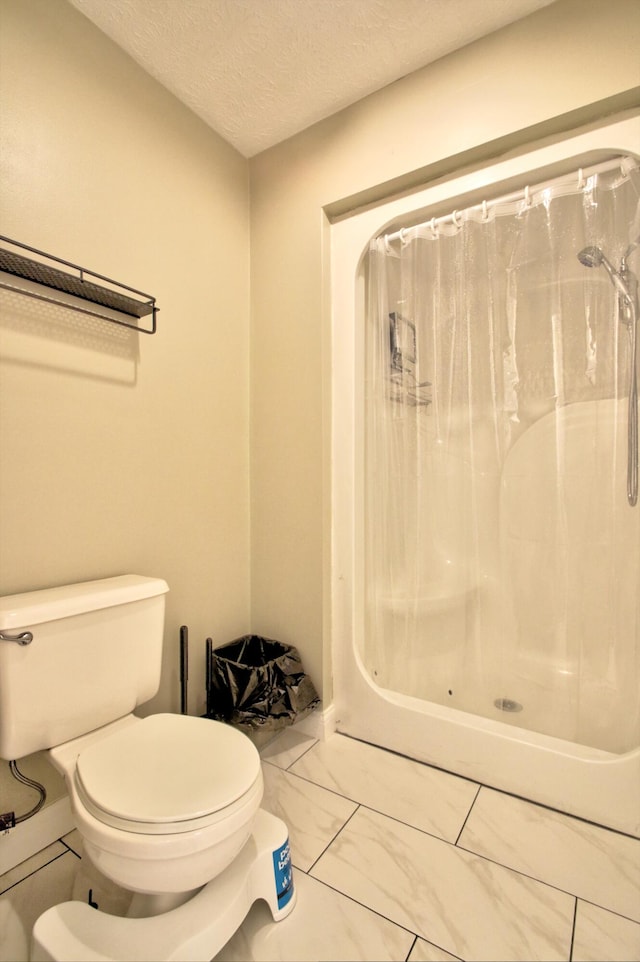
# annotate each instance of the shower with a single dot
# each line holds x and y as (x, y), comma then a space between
(487, 565)
(500, 421)
(626, 285)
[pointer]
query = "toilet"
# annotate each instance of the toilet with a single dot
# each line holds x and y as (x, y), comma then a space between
(168, 806)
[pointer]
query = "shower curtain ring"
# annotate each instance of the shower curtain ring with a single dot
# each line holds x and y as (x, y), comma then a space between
(403, 239)
(454, 218)
(432, 225)
(580, 178)
(485, 211)
(386, 244)
(527, 197)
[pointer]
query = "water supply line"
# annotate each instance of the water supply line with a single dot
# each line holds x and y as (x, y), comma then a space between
(626, 286)
(10, 819)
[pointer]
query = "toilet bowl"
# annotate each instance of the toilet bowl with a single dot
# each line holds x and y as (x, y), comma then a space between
(164, 803)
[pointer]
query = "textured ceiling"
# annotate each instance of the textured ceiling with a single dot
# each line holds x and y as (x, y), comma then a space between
(258, 71)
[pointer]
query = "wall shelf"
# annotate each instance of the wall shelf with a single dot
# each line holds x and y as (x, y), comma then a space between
(46, 281)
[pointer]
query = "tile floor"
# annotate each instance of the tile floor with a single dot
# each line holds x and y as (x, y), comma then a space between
(397, 861)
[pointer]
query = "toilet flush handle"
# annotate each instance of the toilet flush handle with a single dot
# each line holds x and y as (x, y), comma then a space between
(24, 638)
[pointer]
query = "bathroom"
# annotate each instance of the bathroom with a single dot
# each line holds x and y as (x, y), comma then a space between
(206, 448)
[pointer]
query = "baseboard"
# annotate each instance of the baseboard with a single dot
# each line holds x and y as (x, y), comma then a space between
(34, 834)
(319, 724)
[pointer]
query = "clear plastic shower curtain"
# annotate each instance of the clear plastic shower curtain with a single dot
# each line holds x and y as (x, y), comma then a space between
(502, 561)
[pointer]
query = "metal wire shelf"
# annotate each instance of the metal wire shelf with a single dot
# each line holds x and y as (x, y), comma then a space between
(115, 303)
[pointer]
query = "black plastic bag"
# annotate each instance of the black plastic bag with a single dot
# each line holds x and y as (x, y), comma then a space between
(258, 683)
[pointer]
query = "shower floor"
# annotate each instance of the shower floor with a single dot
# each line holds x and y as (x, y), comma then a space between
(535, 696)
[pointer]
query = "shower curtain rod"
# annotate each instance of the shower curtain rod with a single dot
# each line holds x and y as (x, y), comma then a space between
(527, 195)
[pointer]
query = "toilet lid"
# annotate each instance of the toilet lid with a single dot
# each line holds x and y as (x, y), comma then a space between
(167, 769)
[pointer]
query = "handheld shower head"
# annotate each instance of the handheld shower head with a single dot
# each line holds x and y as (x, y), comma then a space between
(593, 257)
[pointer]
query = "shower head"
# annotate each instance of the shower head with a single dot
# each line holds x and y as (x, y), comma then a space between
(593, 257)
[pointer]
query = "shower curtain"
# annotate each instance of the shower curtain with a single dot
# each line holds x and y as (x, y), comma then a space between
(502, 560)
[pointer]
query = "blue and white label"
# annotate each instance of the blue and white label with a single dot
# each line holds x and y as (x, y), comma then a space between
(283, 874)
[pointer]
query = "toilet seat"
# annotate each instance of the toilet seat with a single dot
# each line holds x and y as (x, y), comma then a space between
(168, 774)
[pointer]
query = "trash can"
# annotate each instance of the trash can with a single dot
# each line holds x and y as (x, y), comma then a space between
(258, 683)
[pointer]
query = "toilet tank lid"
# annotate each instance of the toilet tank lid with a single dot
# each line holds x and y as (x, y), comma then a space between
(51, 604)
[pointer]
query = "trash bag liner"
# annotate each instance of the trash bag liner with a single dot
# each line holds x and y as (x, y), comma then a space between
(258, 683)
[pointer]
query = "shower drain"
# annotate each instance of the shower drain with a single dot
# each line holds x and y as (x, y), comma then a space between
(507, 704)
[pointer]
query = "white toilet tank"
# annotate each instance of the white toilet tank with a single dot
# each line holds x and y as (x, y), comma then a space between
(96, 654)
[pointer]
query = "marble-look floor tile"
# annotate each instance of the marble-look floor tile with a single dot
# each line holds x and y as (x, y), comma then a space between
(21, 905)
(312, 814)
(467, 905)
(74, 841)
(286, 748)
(324, 926)
(601, 936)
(594, 863)
(426, 952)
(417, 794)
(30, 865)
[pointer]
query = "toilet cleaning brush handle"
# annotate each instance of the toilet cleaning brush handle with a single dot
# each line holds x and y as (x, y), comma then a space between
(184, 667)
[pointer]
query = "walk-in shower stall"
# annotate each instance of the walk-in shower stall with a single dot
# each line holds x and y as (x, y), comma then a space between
(486, 574)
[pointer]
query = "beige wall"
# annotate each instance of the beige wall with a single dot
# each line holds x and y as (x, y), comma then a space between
(123, 454)
(566, 65)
